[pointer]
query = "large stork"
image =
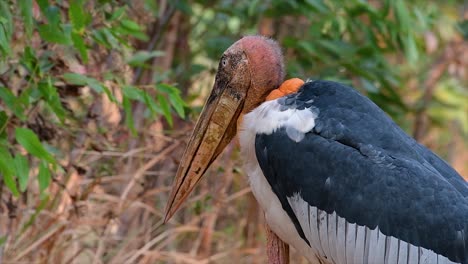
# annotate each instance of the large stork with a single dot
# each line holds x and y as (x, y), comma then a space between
(337, 179)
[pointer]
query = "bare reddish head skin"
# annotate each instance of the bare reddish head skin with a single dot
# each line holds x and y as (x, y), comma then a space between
(265, 63)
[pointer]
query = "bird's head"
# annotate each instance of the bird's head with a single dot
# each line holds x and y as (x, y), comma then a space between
(248, 71)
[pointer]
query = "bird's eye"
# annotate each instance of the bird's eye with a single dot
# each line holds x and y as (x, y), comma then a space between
(224, 62)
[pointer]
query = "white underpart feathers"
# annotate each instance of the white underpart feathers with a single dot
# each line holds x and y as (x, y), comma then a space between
(268, 117)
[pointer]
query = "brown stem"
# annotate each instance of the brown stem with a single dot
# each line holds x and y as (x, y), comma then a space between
(420, 123)
(435, 74)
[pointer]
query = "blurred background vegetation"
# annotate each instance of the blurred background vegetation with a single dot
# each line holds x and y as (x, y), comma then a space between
(98, 98)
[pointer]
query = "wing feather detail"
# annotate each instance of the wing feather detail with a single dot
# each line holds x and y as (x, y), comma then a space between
(356, 163)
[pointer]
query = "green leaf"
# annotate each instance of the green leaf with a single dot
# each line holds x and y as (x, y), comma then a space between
(133, 93)
(4, 41)
(22, 171)
(402, 15)
(29, 61)
(110, 39)
(8, 97)
(51, 96)
(127, 106)
(130, 25)
(6, 169)
(43, 4)
(152, 105)
(117, 14)
(75, 79)
(100, 37)
(411, 50)
(31, 143)
(12, 102)
(165, 108)
(318, 5)
(26, 12)
(79, 19)
(54, 34)
(178, 104)
(6, 28)
(174, 98)
(3, 121)
(140, 57)
(78, 79)
(43, 176)
(52, 13)
(109, 94)
(26, 97)
(95, 85)
(6, 17)
(80, 45)
(166, 88)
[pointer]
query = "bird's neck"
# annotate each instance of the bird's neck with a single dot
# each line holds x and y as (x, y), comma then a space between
(287, 87)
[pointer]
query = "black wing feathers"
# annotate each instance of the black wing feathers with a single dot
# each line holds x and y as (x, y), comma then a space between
(360, 164)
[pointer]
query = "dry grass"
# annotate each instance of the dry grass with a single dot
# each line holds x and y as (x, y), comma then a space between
(107, 207)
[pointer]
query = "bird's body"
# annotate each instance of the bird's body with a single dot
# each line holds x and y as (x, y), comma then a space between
(337, 179)
(340, 182)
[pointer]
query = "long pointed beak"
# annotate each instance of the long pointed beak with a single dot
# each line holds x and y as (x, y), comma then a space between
(214, 130)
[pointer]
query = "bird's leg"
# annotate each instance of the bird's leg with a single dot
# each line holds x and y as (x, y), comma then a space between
(277, 250)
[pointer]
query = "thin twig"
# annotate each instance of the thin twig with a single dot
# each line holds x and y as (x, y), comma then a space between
(161, 25)
(157, 239)
(39, 241)
(436, 72)
(140, 172)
